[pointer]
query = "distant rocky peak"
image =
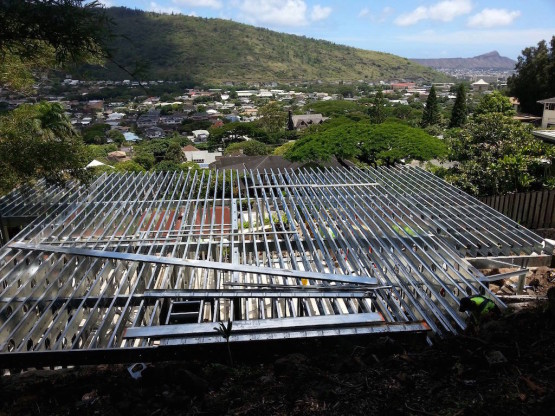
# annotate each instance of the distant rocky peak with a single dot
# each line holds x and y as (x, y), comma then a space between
(490, 60)
(492, 54)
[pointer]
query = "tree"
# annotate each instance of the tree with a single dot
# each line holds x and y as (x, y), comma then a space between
(146, 160)
(249, 148)
(39, 141)
(129, 166)
(385, 143)
(431, 115)
(494, 103)
(459, 113)
(272, 118)
(35, 35)
(376, 112)
(283, 149)
(535, 76)
(43, 34)
(232, 132)
(174, 153)
(497, 155)
(95, 134)
(117, 136)
(168, 165)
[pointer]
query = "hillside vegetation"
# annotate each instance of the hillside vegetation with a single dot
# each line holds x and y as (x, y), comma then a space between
(177, 47)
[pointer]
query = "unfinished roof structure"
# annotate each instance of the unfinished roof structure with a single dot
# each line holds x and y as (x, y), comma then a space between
(140, 262)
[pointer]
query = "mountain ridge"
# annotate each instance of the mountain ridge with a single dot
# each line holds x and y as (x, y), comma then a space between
(203, 50)
(489, 60)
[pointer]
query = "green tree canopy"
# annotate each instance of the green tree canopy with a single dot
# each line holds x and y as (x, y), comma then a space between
(117, 136)
(376, 111)
(249, 148)
(385, 143)
(460, 111)
(168, 165)
(39, 141)
(43, 34)
(535, 76)
(155, 147)
(174, 153)
(35, 35)
(232, 132)
(496, 155)
(495, 102)
(129, 166)
(283, 149)
(272, 118)
(334, 107)
(95, 134)
(431, 115)
(146, 160)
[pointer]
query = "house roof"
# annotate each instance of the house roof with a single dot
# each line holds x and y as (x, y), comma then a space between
(307, 119)
(547, 136)
(95, 163)
(190, 148)
(117, 153)
(547, 101)
(480, 82)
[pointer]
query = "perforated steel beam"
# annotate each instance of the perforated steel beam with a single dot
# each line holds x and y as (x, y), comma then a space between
(133, 252)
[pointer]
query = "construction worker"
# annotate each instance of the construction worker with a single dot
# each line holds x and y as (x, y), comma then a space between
(479, 306)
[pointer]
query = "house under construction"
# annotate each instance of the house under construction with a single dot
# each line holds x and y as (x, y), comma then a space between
(135, 263)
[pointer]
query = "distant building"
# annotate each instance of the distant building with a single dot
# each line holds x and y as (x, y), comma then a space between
(118, 156)
(403, 85)
(172, 119)
(480, 86)
(304, 121)
(148, 119)
(95, 105)
(154, 133)
(200, 136)
(202, 157)
(233, 118)
(548, 118)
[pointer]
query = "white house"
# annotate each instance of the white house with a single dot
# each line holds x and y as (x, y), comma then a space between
(202, 157)
(548, 118)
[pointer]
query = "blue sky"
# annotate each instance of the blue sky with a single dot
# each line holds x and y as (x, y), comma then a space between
(409, 28)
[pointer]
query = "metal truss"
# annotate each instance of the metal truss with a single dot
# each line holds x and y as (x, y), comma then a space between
(140, 262)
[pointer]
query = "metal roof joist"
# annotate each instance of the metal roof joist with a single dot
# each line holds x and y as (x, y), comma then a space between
(290, 253)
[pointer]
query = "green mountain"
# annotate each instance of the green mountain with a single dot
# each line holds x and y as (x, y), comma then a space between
(177, 47)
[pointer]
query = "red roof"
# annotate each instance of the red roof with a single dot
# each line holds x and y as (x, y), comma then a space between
(190, 148)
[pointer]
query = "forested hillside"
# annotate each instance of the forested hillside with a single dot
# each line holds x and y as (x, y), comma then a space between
(196, 49)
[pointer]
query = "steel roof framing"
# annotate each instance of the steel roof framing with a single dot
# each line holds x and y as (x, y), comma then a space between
(136, 262)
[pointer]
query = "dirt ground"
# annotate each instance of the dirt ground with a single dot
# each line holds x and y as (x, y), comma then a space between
(505, 367)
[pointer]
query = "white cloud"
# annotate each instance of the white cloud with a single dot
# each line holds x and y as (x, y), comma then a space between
(213, 4)
(275, 12)
(493, 17)
(319, 13)
(379, 18)
(155, 7)
(444, 11)
(106, 3)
